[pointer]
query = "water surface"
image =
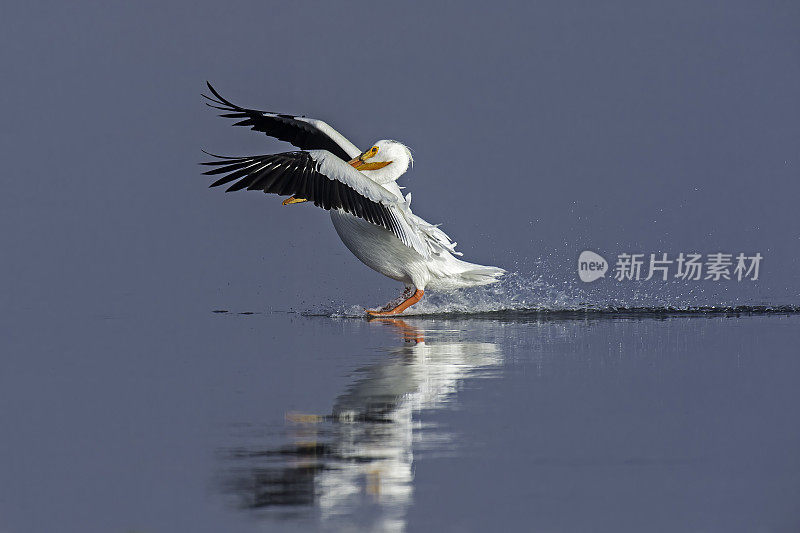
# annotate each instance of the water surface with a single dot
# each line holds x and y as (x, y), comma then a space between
(519, 421)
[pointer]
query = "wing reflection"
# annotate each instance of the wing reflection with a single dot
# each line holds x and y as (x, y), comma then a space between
(355, 465)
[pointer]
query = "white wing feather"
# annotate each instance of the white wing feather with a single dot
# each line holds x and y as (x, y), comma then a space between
(351, 149)
(434, 238)
(410, 232)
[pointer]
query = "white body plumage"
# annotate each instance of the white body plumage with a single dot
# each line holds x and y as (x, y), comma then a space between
(382, 251)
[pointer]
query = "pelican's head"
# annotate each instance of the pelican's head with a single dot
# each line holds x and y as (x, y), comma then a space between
(385, 161)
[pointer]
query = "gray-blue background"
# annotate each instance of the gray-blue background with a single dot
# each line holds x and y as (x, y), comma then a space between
(538, 130)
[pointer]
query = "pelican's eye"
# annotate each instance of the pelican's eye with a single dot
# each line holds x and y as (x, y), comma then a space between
(369, 153)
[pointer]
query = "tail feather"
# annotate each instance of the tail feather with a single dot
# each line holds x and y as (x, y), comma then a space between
(482, 275)
(457, 274)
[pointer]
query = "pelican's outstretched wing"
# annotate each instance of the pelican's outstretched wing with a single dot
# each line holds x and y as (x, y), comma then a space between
(326, 180)
(305, 133)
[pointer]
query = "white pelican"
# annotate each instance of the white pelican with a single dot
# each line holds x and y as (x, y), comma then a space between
(369, 212)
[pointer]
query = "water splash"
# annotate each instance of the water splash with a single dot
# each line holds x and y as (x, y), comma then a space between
(515, 292)
(531, 294)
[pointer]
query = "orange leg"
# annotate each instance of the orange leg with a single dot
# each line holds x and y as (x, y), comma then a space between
(402, 306)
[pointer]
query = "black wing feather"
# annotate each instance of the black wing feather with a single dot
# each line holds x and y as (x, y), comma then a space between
(234, 175)
(296, 173)
(284, 127)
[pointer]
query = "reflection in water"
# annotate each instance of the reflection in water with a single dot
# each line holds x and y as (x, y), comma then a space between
(355, 466)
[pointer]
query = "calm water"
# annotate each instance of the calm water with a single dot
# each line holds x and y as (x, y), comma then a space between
(280, 422)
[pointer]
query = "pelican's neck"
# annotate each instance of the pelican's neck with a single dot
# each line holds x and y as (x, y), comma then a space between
(398, 157)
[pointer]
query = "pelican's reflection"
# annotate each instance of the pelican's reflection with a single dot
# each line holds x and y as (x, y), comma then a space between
(355, 465)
